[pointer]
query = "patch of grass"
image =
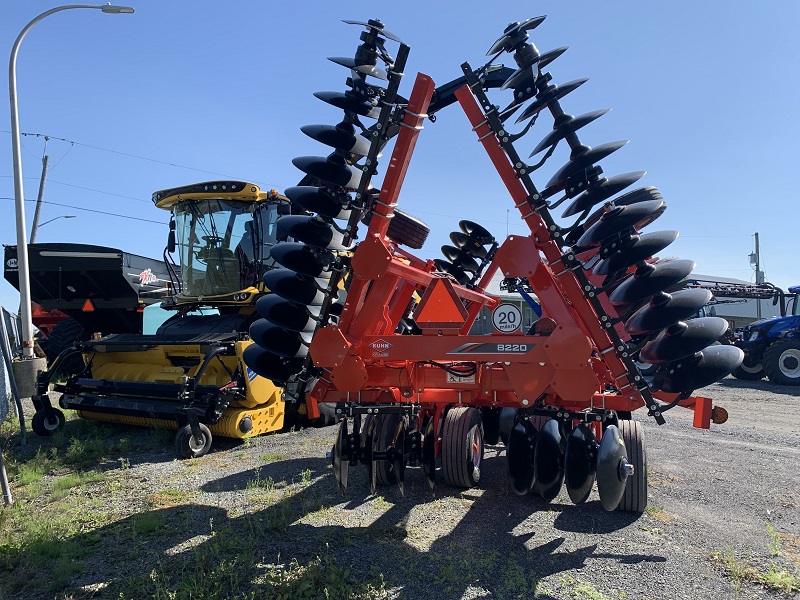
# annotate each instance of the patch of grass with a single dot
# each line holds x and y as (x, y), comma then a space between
(169, 498)
(272, 457)
(581, 589)
(658, 513)
(79, 478)
(148, 522)
(773, 577)
(774, 544)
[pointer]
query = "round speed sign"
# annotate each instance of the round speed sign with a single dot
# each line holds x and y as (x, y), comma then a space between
(507, 318)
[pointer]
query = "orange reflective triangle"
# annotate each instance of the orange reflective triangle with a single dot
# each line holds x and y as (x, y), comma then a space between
(440, 307)
(87, 306)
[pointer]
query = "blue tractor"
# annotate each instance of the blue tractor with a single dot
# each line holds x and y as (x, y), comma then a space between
(772, 346)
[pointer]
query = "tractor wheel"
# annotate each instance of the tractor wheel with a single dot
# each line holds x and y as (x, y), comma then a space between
(749, 373)
(782, 362)
(462, 446)
(187, 447)
(46, 422)
(635, 496)
(63, 335)
(405, 229)
(385, 430)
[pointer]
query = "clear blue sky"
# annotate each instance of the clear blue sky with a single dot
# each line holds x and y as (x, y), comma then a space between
(186, 91)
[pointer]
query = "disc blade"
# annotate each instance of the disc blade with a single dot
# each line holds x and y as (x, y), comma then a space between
(348, 103)
(320, 200)
(667, 309)
(399, 454)
(579, 163)
(617, 220)
(683, 339)
(520, 455)
(286, 314)
(367, 443)
(548, 461)
(611, 474)
(523, 77)
(377, 27)
(341, 137)
(566, 127)
(311, 230)
(468, 245)
(601, 192)
(476, 232)
(296, 287)
(708, 366)
(580, 456)
(639, 248)
(556, 93)
(332, 169)
(547, 57)
(648, 280)
(299, 257)
(460, 259)
(513, 33)
(429, 454)
(340, 462)
(278, 340)
(447, 267)
(363, 68)
(270, 365)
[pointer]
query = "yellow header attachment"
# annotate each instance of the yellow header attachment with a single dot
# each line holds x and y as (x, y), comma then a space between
(227, 190)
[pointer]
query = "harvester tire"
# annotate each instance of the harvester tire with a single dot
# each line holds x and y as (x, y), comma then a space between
(635, 497)
(405, 229)
(185, 445)
(462, 446)
(46, 422)
(782, 362)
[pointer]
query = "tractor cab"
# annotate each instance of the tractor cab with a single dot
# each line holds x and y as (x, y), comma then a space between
(222, 232)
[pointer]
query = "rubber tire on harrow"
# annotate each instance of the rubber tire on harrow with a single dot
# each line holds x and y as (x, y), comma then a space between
(184, 442)
(635, 497)
(385, 429)
(46, 422)
(462, 446)
(774, 357)
(491, 425)
(405, 229)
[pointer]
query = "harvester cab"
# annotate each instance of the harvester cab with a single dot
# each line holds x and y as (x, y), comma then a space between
(190, 374)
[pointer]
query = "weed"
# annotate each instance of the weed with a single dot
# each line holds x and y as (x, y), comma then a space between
(581, 589)
(740, 571)
(305, 477)
(774, 544)
(71, 480)
(272, 457)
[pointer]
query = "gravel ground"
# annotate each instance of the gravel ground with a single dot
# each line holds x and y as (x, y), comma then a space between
(733, 490)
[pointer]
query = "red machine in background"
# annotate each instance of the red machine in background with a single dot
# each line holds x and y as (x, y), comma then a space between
(384, 334)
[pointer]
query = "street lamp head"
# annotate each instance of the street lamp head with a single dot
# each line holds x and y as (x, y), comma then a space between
(117, 10)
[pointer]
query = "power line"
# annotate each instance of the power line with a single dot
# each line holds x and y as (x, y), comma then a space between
(91, 210)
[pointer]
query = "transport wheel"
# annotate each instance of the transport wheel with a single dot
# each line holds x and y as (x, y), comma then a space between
(405, 229)
(782, 362)
(187, 447)
(635, 497)
(491, 425)
(753, 372)
(385, 429)
(46, 422)
(462, 446)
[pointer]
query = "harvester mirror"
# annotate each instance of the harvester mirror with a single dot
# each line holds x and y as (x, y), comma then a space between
(171, 245)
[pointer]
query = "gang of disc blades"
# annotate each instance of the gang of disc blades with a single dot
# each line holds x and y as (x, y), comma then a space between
(620, 219)
(611, 475)
(548, 461)
(579, 163)
(282, 342)
(360, 67)
(333, 169)
(319, 200)
(299, 257)
(311, 230)
(683, 339)
(447, 267)
(580, 456)
(468, 245)
(460, 258)
(340, 465)
(270, 365)
(296, 287)
(667, 309)
(556, 93)
(477, 232)
(520, 456)
(650, 279)
(342, 137)
(568, 125)
(348, 103)
(636, 250)
(287, 314)
(602, 191)
(708, 366)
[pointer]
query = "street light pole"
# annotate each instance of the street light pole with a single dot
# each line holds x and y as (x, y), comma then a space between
(19, 199)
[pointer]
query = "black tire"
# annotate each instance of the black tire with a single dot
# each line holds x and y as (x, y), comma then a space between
(47, 422)
(63, 335)
(635, 497)
(405, 229)
(185, 445)
(385, 430)
(462, 446)
(491, 425)
(746, 373)
(782, 362)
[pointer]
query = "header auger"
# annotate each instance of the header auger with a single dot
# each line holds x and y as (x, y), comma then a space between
(385, 335)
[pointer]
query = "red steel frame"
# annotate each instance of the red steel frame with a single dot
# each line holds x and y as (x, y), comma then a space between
(364, 361)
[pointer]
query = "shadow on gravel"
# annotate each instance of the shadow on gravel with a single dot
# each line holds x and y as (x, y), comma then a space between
(443, 547)
(761, 385)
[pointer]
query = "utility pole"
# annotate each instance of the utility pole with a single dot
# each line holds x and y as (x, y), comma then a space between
(40, 197)
(756, 261)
